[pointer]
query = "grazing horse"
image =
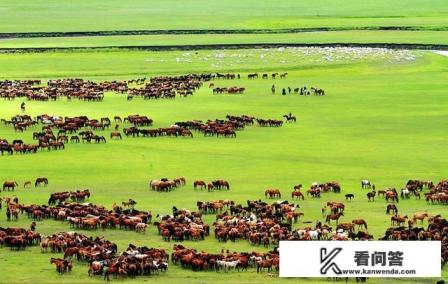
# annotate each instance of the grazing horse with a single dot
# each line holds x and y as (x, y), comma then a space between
(398, 220)
(366, 184)
(115, 134)
(349, 196)
(272, 193)
(10, 185)
(297, 194)
(199, 183)
(27, 184)
(371, 196)
(334, 216)
(391, 195)
(360, 223)
(393, 208)
(405, 193)
(40, 181)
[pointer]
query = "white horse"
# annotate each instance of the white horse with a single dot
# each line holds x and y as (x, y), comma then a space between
(365, 183)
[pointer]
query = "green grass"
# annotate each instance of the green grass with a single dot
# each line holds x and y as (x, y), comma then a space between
(81, 15)
(408, 37)
(382, 119)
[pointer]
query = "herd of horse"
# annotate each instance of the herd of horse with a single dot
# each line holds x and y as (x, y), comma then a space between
(182, 225)
(78, 215)
(215, 184)
(10, 185)
(164, 184)
(18, 238)
(227, 90)
(258, 222)
(157, 87)
(57, 131)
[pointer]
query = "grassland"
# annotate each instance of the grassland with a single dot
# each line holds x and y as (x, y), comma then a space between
(383, 119)
(96, 15)
(368, 37)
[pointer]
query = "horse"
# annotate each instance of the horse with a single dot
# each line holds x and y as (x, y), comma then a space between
(10, 185)
(27, 184)
(371, 196)
(366, 184)
(360, 223)
(405, 193)
(398, 220)
(291, 118)
(41, 180)
(349, 196)
(391, 195)
(199, 183)
(297, 194)
(272, 193)
(419, 216)
(393, 208)
(334, 216)
(264, 264)
(115, 134)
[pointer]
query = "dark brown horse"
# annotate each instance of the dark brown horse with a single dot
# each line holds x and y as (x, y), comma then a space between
(371, 196)
(393, 208)
(40, 181)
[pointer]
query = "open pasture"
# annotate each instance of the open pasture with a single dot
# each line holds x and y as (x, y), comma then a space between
(383, 118)
(51, 16)
(181, 40)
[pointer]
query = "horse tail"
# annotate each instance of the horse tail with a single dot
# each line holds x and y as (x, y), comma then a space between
(365, 224)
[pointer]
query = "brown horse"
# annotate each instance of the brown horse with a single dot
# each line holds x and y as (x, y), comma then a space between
(360, 223)
(62, 265)
(391, 195)
(27, 184)
(272, 193)
(199, 183)
(262, 264)
(10, 185)
(398, 220)
(334, 216)
(115, 134)
(420, 216)
(297, 194)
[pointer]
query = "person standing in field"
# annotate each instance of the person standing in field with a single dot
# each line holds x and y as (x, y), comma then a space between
(273, 89)
(22, 106)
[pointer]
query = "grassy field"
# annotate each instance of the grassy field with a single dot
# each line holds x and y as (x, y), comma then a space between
(408, 37)
(94, 15)
(384, 118)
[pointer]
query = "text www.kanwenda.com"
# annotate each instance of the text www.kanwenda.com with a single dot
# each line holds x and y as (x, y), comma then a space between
(378, 271)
